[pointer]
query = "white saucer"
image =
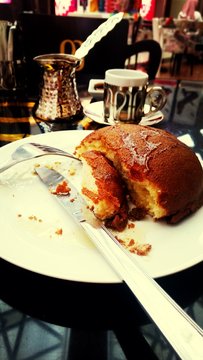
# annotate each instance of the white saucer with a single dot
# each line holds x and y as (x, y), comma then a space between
(95, 112)
(96, 89)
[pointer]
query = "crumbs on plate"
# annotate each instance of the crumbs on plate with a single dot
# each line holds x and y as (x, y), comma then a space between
(134, 247)
(59, 231)
(61, 189)
(35, 218)
(72, 171)
(53, 166)
(31, 217)
(131, 225)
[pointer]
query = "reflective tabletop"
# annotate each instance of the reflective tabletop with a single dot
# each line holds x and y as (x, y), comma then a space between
(92, 310)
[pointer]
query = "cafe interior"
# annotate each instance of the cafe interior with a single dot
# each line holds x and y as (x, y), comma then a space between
(67, 301)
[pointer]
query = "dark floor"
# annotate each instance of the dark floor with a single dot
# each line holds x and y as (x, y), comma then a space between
(25, 338)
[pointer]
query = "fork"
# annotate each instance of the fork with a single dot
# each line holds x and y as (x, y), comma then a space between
(32, 150)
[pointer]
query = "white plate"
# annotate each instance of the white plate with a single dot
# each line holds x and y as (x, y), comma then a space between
(95, 112)
(33, 245)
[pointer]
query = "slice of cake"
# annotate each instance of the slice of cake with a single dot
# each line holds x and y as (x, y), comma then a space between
(163, 176)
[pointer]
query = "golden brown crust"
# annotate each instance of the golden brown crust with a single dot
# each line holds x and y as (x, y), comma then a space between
(145, 154)
(107, 194)
(106, 177)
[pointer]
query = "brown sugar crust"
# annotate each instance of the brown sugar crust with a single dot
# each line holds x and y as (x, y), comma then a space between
(108, 195)
(106, 177)
(162, 174)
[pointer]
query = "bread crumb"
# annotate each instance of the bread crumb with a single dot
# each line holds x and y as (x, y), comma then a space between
(135, 247)
(34, 217)
(61, 188)
(71, 171)
(59, 231)
(131, 225)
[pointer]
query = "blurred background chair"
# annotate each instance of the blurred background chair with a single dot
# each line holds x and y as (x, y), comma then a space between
(145, 55)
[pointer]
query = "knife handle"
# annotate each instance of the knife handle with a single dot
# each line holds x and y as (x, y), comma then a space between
(185, 336)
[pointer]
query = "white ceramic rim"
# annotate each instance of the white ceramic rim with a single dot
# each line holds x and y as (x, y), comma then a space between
(126, 77)
(28, 244)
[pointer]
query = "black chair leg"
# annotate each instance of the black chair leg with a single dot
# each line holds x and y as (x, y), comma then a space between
(86, 344)
(93, 345)
(176, 63)
(133, 344)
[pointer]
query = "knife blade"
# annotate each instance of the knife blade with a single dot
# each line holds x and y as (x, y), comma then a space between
(185, 336)
(71, 201)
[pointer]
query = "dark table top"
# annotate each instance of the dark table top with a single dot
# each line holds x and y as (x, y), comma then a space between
(100, 306)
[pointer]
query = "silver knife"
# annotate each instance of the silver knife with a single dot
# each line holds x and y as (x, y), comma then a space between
(185, 336)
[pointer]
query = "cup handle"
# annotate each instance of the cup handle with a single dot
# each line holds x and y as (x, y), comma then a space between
(156, 99)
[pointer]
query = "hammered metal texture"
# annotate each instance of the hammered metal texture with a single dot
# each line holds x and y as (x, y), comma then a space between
(58, 98)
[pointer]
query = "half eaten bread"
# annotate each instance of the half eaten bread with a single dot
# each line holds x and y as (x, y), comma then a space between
(163, 176)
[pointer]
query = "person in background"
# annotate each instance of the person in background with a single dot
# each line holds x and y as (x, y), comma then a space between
(189, 11)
